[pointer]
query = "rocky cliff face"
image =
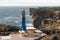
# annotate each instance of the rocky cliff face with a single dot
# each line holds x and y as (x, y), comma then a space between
(7, 29)
(45, 17)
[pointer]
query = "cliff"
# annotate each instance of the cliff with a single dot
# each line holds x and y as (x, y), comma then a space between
(45, 17)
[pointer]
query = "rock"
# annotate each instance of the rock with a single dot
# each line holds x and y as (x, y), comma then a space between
(7, 29)
(45, 15)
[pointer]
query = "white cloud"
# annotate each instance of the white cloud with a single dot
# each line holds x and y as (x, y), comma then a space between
(29, 3)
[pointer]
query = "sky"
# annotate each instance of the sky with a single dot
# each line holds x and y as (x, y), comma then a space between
(29, 2)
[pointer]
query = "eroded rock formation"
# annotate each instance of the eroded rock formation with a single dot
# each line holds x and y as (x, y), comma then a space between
(7, 29)
(47, 17)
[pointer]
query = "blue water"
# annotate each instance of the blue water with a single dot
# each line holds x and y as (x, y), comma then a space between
(12, 15)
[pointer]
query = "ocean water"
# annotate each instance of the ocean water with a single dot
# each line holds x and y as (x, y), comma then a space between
(12, 16)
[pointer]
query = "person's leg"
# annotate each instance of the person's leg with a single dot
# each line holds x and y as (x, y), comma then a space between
(24, 28)
(20, 27)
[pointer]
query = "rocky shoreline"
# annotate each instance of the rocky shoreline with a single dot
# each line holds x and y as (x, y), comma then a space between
(7, 29)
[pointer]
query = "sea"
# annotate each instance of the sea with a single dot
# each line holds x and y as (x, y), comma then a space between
(13, 16)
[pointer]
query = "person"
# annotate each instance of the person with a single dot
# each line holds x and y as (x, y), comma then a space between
(23, 24)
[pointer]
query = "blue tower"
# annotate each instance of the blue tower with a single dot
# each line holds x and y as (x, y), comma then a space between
(23, 24)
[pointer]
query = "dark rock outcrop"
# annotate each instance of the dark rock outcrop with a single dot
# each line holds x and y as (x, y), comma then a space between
(7, 29)
(45, 15)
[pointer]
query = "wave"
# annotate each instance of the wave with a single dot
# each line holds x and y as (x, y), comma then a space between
(10, 17)
(15, 20)
(29, 24)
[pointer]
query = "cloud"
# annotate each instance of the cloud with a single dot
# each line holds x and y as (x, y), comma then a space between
(29, 3)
